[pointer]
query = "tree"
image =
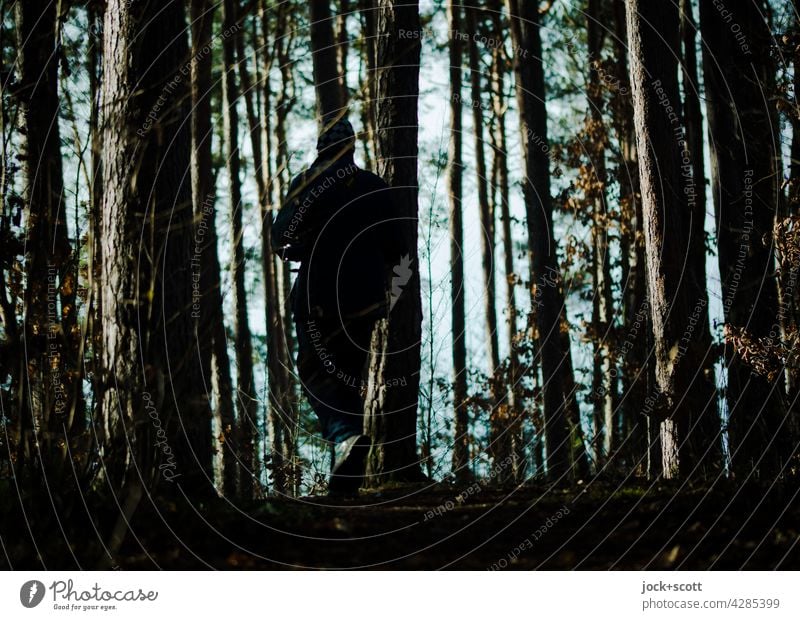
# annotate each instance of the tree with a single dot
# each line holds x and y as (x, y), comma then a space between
(500, 444)
(455, 176)
(246, 403)
(668, 220)
(210, 329)
(513, 413)
(154, 413)
(546, 294)
(46, 381)
(745, 183)
(391, 411)
(328, 80)
(706, 442)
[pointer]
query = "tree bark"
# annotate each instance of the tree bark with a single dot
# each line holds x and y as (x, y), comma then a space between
(668, 220)
(391, 412)
(153, 409)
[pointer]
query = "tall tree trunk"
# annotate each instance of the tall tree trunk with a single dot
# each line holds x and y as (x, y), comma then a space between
(675, 311)
(707, 451)
(50, 285)
(603, 382)
(745, 181)
(546, 294)
(501, 206)
(246, 403)
(153, 408)
(636, 373)
(499, 441)
(328, 81)
(211, 338)
(391, 412)
(460, 462)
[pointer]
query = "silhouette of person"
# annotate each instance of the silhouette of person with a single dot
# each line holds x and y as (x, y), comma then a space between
(340, 222)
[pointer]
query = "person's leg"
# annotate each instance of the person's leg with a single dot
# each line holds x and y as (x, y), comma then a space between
(330, 365)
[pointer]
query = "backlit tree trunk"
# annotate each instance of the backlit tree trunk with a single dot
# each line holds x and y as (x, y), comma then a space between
(391, 412)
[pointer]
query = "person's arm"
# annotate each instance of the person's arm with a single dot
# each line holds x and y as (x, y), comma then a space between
(288, 229)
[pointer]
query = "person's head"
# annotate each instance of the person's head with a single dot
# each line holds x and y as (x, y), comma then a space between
(336, 138)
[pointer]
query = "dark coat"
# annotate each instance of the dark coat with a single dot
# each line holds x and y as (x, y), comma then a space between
(341, 223)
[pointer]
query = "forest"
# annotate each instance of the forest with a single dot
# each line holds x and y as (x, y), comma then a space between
(591, 354)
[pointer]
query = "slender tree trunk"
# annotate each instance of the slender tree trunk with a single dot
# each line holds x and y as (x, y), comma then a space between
(211, 338)
(636, 373)
(369, 11)
(675, 311)
(342, 46)
(455, 187)
(603, 382)
(246, 403)
(745, 184)
(391, 412)
(547, 297)
(499, 442)
(500, 196)
(706, 441)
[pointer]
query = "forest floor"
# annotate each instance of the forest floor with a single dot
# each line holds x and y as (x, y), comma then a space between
(599, 526)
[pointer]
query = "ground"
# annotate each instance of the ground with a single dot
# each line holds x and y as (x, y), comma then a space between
(596, 526)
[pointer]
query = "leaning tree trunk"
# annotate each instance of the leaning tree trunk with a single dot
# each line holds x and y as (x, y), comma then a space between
(210, 326)
(391, 411)
(154, 412)
(745, 183)
(460, 463)
(546, 293)
(675, 310)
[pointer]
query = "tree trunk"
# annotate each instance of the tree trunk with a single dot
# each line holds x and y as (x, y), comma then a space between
(705, 440)
(636, 373)
(153, 408)
(391, 412)
(210, 327)
(546, 294)
(745, 184)
(501, 206)
(499, 440)
(460, 463)
(49, 329)
(668, 220)
(328, 81)
(246, 403)
(603, 382)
